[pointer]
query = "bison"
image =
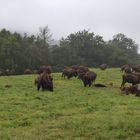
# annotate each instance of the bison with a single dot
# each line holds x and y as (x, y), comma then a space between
(44, 81)
(28, 71)
(45, 68)
(136, 68)
(88, 78)
(128, 70)
(123, 67)
(69, 73)
(103, 66)
(134, 79)
(132, 89)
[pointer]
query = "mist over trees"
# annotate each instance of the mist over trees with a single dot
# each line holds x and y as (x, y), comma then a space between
(22, 51)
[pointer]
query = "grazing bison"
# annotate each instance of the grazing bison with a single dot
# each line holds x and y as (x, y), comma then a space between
(69, 73)
(88, 78)
(132, 90)
(99, 85)
(44, 81)
(103, 66)
(138, 93)
(134, 79)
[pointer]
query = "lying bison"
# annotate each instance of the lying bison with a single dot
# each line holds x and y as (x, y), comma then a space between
(44, 81)
(132, 89)
(28, 71)
(75, 67)
(128, 70)
(134, 79)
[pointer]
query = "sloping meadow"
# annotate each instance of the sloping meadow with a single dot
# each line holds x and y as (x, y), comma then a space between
(72, 111)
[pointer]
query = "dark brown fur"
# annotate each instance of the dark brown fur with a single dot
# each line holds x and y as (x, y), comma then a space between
(131, 89)
(44, 81)
(88, 78)
(69, 73)
(130, 78)
(136, 68)
(45, 68)
(28, 71)
(103, 66)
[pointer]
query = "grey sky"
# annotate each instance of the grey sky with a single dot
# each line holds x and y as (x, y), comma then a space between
(103, 17)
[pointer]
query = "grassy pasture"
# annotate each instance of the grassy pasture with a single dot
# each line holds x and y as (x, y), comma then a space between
(71, 112)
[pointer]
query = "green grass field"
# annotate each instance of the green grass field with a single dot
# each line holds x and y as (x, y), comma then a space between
(71, 112)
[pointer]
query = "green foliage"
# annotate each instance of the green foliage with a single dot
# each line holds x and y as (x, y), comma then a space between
(70, 112)
(20, 52)
(88, 49)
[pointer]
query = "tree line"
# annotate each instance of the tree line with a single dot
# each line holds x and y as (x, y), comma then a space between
(22, 51)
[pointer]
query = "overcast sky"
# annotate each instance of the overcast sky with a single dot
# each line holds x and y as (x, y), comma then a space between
(103, 17)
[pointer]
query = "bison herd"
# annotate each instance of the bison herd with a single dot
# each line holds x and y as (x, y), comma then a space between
(44, 79)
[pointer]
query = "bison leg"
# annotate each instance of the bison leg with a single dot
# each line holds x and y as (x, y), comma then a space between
(89, 83)
(123, 83)
(85, 84)
(38, 87)
(63, 75)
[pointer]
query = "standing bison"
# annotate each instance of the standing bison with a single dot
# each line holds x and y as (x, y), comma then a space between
(103, 66)
(136, 68)
(28, 71)
(69, 73)
(123, 67)
(88, 78)
(44, 81)
(134, 79)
